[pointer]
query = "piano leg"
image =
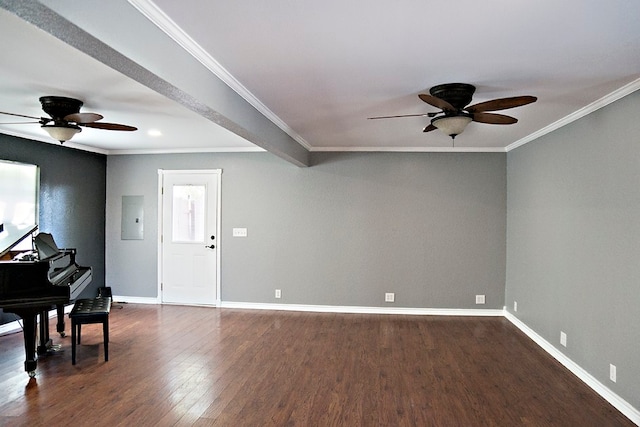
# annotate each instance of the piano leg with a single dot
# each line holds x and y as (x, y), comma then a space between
(60, 324)
(29, 325)
(45, 342)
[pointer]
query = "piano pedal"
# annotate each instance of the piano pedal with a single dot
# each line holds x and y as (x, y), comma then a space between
(54, 349)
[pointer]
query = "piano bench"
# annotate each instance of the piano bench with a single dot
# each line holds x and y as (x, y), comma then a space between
(84, 311)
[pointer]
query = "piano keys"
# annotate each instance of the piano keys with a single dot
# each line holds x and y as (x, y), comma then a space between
(33, 286)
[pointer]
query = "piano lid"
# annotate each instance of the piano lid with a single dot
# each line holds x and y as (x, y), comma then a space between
(10, 236)
(45, 245)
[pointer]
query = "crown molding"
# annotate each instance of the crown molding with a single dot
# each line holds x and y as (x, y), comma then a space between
(48, 140)
(188, 150)
(110, 152)
(588, 109)
(170, 28)
(411, 149)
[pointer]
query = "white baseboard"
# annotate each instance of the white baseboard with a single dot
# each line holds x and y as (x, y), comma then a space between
(619, 403)
(9, 328)
(363, 310)
(16, 326)
(135, 300)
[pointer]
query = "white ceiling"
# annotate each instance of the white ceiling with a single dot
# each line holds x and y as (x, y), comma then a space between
(35, 64)
(320, 69)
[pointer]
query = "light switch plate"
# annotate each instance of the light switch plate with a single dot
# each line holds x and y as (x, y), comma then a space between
(239, 232)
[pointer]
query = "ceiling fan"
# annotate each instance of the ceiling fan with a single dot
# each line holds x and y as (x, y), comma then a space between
(452, 99)
(66, 119)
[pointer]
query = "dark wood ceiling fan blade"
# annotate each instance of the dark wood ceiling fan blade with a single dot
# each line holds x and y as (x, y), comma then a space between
(81, 118)
(403, 115)
(436, 102)
(494, 119)
(429, 128)
(501, 104)
(22, 115)
(108, 126)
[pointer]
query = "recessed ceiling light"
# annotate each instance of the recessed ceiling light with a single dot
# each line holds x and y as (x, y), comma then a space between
(154, 132)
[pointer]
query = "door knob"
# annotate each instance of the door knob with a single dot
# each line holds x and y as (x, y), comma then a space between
(211, 247)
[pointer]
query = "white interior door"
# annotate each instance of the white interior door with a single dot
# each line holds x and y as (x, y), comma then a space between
(188, 246)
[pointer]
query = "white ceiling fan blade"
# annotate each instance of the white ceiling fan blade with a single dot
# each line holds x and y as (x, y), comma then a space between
(83, 117)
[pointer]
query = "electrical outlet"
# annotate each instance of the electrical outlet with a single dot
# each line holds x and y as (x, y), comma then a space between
(563, 338)
(612, 372)
(515, 306)
(278, 293)
(389, 297)
(479, 299)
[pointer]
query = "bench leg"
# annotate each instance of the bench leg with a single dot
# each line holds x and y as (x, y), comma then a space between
(73, 341)
(105, 333)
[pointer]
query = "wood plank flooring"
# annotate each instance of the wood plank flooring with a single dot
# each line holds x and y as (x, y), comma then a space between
(195, 366)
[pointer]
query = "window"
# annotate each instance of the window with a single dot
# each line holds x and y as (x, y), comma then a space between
(19, 186)
(188, 213)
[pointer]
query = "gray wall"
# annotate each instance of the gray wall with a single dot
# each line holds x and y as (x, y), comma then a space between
(573, 241)
(72, 199)
(430, 227)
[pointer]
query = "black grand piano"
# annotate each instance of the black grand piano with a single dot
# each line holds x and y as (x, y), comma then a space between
(37, 282)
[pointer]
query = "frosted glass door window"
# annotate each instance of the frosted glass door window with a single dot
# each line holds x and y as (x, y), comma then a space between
(188, 213)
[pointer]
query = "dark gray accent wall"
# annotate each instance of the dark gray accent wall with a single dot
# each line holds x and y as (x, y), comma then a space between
(72, 198)
(430, 227)
(573, 241)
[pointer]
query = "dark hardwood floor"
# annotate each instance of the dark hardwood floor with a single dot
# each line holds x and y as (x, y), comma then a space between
(172, 365)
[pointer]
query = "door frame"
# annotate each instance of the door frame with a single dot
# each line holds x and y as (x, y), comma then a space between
(161, 174)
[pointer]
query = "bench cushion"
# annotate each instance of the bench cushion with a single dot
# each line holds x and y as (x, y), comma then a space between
(90, 307)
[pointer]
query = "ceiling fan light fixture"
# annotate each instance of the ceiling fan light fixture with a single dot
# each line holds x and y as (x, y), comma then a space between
(61, 133)
(452, 125)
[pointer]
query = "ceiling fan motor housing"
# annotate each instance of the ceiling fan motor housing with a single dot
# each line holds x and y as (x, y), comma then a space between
(59, 107)
(459, 95)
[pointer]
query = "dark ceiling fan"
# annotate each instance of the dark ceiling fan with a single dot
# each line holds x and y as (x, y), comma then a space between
(452, 99)
(66, 119)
